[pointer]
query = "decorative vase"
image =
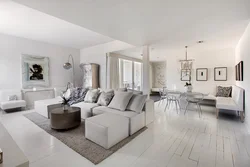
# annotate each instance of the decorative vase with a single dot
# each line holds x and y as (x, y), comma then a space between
(65, 107)
(189, 88)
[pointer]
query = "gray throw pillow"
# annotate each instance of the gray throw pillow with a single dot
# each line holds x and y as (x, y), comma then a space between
(223, 91)
(136, 103)
(105, 98)
(120, 100)
(91, 96)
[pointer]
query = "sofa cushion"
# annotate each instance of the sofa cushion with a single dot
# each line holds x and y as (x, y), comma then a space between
(226, 103)
(107, 129)
(86, 109)
(91, 96)
(105, 98)
(136, 103)
(224, 91)
(120, 100)
(104, 109)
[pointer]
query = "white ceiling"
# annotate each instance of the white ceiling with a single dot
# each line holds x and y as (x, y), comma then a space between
(141, 22)
(226, 38)
(22, 21)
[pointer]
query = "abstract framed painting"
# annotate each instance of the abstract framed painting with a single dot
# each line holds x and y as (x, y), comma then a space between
(35, 71)
(220, 73)
(201, 74)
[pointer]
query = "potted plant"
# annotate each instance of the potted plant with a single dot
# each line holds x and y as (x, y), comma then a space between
(65, 100)
(188, 86)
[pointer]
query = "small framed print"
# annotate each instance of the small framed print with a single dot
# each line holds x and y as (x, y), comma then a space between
(185, 75)
(1, 156)
(220, 73)
(240, 71)
(201, 74)
(236, 73)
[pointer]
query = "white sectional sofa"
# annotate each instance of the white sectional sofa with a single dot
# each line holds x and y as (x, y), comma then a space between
(6, 104)
(107, 129)
(236, 102)
(136, 120)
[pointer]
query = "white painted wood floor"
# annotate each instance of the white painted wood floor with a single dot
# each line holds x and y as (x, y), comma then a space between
(173, 140)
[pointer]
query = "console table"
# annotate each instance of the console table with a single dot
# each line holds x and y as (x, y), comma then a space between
(12, 155)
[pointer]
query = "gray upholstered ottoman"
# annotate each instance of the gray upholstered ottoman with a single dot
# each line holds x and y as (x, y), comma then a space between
(107, 129)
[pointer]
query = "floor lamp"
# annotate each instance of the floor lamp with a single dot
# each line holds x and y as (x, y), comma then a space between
(68, 66)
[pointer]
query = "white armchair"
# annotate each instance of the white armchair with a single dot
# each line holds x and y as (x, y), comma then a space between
(5, 104)
(236, 102)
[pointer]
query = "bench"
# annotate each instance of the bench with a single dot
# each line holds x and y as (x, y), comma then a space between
(236, 102)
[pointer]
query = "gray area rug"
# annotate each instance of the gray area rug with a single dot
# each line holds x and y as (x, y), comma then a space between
(75, 139)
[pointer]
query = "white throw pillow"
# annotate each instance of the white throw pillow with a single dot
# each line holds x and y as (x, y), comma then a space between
(12, 97)
(91, 96)
(120, 100)
(136, 103)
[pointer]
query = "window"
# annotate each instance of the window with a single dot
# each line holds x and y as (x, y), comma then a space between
(130, 74)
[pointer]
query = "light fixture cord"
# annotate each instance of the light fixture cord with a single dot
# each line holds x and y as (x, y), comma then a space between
(186, 52)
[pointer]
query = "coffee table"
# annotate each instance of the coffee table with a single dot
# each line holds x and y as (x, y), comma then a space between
(63, 120)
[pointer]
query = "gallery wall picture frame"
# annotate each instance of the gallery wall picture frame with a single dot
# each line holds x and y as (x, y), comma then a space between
(240, 70)
(201, 74)
(220, 73)
(35, 71)
(236, 73)
(185, 75)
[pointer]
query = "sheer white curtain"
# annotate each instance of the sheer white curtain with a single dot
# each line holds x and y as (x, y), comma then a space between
(112, 72)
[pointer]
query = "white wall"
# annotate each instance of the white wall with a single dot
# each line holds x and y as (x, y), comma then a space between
(203, 59)
(11, 49)
(97, 54)
(243, 54)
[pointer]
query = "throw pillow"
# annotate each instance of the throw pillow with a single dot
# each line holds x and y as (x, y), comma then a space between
(136, 103)
(223, 91)
(91, 96)
(105, 98)
(12, 97)
(77, 95)
(120, 100)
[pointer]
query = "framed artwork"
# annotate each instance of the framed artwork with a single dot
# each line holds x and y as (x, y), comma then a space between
(236, 73)
(240, 71)
(201, 74)
(35, 71)
(185, 75)
(220, 73)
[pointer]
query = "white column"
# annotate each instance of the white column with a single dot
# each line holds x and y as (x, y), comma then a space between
(146, 71)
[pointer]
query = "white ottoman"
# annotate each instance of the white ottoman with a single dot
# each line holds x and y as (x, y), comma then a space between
(106, 129)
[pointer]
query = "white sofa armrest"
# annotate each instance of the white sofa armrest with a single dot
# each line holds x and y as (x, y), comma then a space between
(149, 111)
